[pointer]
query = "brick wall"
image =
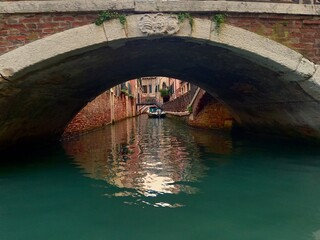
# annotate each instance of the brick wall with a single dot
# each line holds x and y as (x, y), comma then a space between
(98, 113)
(17, 30)
(301, 33)
(95, 114)
(211, 114)
(121, 106)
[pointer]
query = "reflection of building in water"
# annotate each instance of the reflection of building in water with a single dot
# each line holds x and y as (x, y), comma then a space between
(140, 154)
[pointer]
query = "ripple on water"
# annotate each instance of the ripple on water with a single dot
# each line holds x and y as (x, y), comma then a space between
(149, 160)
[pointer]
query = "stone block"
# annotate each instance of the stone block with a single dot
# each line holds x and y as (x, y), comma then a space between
(201, 28)
(259, 49)
(132, 27)
(304, 71)
(312, 85)
(185, 29)
(114, 30)
(69, 42)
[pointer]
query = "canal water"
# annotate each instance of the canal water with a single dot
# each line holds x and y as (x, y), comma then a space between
(159, 179)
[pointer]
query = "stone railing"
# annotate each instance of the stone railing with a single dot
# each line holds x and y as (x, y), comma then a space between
(181, 103)
(271, 1)
(296, 7)
(149, 101)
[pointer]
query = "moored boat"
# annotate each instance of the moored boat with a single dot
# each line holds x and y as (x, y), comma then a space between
(155, 112)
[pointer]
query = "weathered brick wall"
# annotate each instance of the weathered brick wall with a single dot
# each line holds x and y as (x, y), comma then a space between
(301, 33)
(181, 103)
(98, 113)
(131, 107)
(17, 30)
(212, 114)
(120, 104)
(95, 114)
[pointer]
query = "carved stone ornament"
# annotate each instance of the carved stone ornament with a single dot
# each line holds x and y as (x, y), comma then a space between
(159, 24)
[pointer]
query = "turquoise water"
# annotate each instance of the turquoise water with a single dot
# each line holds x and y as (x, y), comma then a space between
(158, 179)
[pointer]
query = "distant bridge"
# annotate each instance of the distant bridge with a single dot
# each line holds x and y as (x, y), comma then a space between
(144, 104)
(262, 62)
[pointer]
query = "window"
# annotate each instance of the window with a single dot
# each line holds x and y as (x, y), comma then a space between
(144, 89)
(123, 86)
(164, 85)
(172, 89)
(150, 88)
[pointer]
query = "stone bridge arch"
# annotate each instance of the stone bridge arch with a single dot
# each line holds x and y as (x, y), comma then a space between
(268, 87)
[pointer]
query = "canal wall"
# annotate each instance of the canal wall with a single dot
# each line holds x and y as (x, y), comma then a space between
(200, 109)
(103, 110)
(210, 113)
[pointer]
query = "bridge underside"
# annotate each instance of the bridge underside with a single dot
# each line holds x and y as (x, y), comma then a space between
(40, 103)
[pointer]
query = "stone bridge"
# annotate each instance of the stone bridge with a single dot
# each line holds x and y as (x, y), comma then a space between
(260, 59)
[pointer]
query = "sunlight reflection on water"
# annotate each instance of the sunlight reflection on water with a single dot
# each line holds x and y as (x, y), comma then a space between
(142, 178)
(143, 158)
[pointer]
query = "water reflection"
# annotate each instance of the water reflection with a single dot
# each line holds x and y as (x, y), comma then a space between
(245, 189)
(144, 157)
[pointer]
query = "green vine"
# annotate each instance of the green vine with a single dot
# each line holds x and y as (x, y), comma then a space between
(122, 19)
(127, 93)
(183, 16)
(106, 16)
(164, 92)
(219, 19)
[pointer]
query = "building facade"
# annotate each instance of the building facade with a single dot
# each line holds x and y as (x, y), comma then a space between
(113, 105)
(162, 89)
